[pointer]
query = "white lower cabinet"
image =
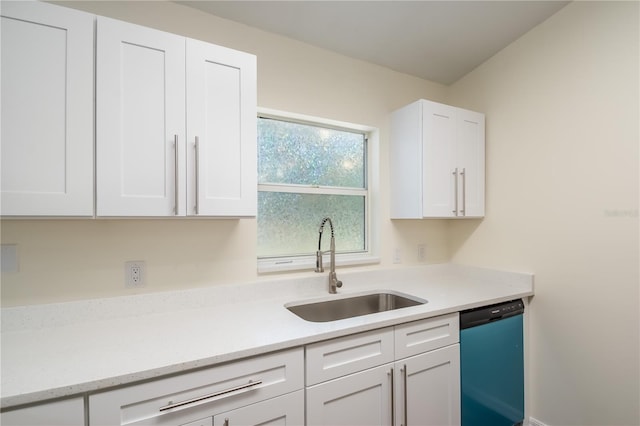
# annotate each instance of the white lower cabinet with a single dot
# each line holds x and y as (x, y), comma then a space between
(249, 390)
(403, 375)
(283, 410)
(363, 398)
(427, 388)
(415, 379)
(59, 413)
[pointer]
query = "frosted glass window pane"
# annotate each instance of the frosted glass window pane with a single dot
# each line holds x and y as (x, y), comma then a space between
(288, 223)
(294, 153)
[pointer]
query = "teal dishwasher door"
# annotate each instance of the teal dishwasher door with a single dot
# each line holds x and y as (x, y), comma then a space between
(492, 372)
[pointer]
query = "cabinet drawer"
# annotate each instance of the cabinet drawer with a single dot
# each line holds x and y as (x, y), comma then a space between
(426, 335)
(66, 412)
(191, 396)
(338, 357)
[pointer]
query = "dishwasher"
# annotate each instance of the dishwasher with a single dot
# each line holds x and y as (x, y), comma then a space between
(492, 365)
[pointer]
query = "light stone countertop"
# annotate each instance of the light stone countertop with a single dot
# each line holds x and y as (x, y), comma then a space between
(58, 350)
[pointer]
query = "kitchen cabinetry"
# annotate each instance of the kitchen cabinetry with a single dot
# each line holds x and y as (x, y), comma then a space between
(437, 162)
(60, 413)
(261, 389)
(150, 159)
(47, 110)
(349, 379)
(428, 380)
(363, 398)
(415, 380)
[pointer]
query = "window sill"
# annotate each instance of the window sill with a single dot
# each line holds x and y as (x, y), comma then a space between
(299, 263)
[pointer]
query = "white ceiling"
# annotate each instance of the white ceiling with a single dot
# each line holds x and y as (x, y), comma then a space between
(439, 41)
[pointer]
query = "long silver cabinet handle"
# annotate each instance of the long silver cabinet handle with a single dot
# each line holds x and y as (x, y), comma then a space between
(393, 399)
(463, 212)
(176, 174)
(406, 411)
(197, 188)
(455, 192)
(247, 386)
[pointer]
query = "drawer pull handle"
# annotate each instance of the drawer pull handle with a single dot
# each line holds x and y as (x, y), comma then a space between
(176, 176)
(247, 386)
(406, 411)
(393, 398)
(197, 148)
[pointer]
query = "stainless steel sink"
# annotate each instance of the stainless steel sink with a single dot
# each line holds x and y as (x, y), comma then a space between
(353, 306)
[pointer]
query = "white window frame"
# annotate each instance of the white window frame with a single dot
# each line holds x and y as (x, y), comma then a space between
(303, 262)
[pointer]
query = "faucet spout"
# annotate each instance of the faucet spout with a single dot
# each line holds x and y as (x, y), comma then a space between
(334, 282)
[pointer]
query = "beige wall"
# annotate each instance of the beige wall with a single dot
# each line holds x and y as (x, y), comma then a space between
(78, 259)
(562, 107)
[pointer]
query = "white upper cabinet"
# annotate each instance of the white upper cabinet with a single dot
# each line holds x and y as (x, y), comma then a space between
(47, 110)
(221, 131)
(437, 162)
(176, 125)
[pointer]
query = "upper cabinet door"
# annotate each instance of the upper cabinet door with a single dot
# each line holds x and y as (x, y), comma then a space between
(470, 154)
(140, 144)
(47, 110)
(221, 131)
(438, 159)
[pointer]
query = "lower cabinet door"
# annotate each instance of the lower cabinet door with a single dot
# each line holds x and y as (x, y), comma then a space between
(283, 410)
(428, 388)
(363, 398)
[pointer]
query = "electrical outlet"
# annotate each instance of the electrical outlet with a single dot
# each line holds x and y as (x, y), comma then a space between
(397, 255)
(9, 258)
(422, 253)
(134, 274)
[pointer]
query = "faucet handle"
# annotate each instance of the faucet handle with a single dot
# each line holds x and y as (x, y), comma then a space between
(334, 283)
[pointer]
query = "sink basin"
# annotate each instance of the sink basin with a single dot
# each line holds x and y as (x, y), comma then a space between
(353, 306)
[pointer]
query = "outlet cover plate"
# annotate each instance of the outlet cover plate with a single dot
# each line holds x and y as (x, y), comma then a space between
(134, 274)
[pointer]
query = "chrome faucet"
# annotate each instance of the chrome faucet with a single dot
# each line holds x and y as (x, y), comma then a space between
(334, 282)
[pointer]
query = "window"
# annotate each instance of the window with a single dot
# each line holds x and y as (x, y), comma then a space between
(309, 169)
